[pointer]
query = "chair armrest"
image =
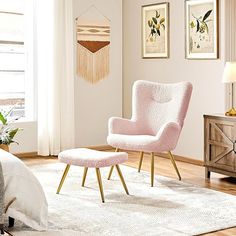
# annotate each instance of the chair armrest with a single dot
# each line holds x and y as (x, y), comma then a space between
(169, 134)
(118, 125)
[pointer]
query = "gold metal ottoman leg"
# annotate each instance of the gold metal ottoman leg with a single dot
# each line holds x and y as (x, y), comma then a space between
(100, 184)
(111, 170)
(122, 179)
(63, 178)
(140, 161)
(84, 175)
(152, 169)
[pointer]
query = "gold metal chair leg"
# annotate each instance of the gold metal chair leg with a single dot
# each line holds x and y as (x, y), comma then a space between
(63, 178)
(100, 183)
(122, 179)
(84, 175)
(111, 170)
(174, 164)
(140, 161)
(152, 169)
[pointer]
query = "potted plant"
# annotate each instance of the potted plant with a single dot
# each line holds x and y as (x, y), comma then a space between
(7, 130)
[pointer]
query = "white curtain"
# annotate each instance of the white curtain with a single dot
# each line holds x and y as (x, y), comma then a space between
(55, 75)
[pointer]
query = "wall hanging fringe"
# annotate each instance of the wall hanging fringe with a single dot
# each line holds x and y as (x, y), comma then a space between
(93, 67)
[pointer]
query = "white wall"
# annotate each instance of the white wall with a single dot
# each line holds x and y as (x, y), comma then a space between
(96, 103)
(27, 137)
(205, 75)
(230, 42)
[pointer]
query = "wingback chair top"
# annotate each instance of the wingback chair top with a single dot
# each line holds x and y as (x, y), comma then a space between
(158, 113)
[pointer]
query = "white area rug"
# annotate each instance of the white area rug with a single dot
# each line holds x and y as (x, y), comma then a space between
(170, 208)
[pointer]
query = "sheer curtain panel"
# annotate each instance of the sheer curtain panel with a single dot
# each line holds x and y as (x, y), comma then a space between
(55, 75)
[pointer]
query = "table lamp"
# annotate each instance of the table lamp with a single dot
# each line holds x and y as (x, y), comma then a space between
(229, 76)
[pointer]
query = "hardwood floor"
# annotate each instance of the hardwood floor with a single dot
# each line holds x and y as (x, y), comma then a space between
(194, 174)
(190, 173)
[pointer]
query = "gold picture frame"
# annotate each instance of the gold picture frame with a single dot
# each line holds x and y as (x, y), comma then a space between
(155, 30)
(201, 29)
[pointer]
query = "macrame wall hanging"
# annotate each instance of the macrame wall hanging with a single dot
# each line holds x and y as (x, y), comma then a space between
(93, 45)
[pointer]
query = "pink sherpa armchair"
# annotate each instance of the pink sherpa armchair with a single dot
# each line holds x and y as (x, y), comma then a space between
(158, 113)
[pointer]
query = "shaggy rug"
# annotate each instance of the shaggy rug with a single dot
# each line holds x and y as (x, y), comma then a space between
(171, 207)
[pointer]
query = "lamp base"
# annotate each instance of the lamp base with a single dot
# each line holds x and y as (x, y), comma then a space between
(231, 112)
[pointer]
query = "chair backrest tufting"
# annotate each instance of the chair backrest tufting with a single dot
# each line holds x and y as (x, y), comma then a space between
(154, 104)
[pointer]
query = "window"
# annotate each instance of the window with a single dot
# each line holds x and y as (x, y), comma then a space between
(12, 56)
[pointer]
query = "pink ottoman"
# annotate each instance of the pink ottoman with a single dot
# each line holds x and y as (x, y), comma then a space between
(92, 159)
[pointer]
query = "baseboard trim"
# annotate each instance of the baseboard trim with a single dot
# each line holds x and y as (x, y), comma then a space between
(35, 154)
(108, 147)
(101, 147)
(26, 154)
(183, 159)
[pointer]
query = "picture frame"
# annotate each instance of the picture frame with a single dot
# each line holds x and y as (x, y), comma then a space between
(155, 30)
(201, 29)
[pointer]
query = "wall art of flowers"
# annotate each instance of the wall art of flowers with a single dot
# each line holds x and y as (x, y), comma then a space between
(155, 30)
(201, 22)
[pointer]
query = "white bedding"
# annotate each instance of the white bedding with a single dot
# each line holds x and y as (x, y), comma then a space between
(30, 206)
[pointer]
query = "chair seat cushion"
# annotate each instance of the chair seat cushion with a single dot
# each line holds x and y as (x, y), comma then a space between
(145, 143)
(92, 158)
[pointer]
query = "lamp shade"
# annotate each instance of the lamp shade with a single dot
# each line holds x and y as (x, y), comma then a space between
(229, 75)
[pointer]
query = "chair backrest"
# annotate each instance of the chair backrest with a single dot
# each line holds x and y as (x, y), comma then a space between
(154, 104)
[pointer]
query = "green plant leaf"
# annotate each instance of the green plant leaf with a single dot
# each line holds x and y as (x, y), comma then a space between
(162, 20)
(157, 14)
(3, 119)
(150, 23)
(12, 133)
(206, 15)
(154, 20)
(158, 32)
(198, 26)
(192, 25)
(163, 26)
(12, 141)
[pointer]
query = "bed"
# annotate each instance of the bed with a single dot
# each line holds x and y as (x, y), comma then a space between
(21, 195)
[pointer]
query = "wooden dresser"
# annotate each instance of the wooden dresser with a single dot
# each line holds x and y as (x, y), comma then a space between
(220, 144)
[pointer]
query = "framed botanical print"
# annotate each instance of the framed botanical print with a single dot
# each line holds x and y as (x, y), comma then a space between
(155, 31)
(201, 29)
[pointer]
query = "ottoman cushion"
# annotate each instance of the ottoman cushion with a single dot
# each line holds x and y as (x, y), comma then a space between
(92, 158)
